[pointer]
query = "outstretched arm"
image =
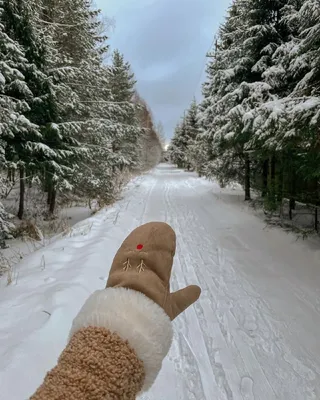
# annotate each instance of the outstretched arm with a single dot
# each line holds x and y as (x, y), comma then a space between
(118, 342)
(122, 334)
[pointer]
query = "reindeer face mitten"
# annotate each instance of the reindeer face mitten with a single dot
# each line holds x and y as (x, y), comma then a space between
(133, 314)
(144, 263)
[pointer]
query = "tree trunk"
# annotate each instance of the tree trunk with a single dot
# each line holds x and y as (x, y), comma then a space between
(29, 174)
(292, 202)
(49, 188)
(22, 192)
(272, 183)
(52, 205)
(49, 196)
(273, 176)
(265, 173)
(9, 175)
(280, 183)
(247, 178)
(47, 181)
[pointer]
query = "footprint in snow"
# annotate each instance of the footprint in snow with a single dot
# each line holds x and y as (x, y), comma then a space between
(246, 388)
(50, 279)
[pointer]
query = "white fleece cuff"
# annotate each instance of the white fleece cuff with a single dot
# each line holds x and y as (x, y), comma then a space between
(134, 317)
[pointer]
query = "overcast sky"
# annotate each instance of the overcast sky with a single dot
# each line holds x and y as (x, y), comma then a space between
(165, 42)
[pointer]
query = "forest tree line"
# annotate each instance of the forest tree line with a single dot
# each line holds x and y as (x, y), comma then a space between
(259, 120)
(70, 116)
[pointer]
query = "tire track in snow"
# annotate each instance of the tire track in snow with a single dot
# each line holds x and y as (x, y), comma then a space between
(231, 324)
(269, 341)
(183, 358)
(204, 310)
(190, 319)
(244, 328)
(226, 374)
(301, 367)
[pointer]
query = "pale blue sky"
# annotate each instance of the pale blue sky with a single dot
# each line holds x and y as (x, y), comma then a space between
(165, 42)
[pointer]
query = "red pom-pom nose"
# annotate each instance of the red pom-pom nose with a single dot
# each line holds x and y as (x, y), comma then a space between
(140, 247)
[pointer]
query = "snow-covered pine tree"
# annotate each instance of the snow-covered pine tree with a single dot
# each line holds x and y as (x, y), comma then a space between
(121, 79)
(101, 113)
(280, 125)
(76, 51)
(13, 94)
(183, 149)
(69, 109)
(302, 108)
(121, 83)
(198, 151)
(264, 31)
(99, 173)
(20, 132)
(55, 151)
(179, 145)
(244, 75)
(258, 121)
(87, 109)
(192, 131)
(308, 55)
(226, 70)
(174, 152)
(149, 142)
(14, 90)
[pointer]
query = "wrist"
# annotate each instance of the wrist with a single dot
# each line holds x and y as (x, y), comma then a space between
(134, 318)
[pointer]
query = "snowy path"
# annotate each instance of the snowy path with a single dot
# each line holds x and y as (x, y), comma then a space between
(254, 334)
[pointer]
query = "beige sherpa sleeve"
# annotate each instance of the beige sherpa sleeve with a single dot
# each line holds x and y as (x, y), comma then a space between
(117, 344)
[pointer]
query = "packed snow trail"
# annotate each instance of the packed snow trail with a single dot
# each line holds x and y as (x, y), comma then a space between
(254, 333)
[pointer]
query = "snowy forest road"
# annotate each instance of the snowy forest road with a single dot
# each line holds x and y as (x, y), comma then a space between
(254, 333)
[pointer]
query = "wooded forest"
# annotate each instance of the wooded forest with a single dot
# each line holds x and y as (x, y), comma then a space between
(71, 119)
(259, 120)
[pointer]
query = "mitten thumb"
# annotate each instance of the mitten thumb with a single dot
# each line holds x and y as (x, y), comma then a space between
(184, 298)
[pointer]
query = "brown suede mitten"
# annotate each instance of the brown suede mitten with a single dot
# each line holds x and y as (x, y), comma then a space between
(121, 335)
(144, 263)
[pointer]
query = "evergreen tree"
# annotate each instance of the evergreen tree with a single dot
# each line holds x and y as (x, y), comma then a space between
(179, 144)
(175, 151)
(259, 116)
(286, 127)
(192, 131)
(149, 142)
(183, 149)
(308, 56)
(22, 136)
(121, 83)
(14, 91)
(244, 74)
(67, 119)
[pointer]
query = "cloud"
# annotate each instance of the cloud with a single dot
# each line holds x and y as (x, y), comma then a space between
(166, 42)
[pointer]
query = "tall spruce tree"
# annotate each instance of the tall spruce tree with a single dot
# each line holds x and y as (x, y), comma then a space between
(121, 83)
(27, 86)
(192, 130)
(259, 116)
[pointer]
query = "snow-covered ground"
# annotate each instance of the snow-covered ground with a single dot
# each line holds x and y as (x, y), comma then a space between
(20, 247)
(254, 334)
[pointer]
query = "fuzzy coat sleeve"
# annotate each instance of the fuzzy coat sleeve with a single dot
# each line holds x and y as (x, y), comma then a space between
(117, 344)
